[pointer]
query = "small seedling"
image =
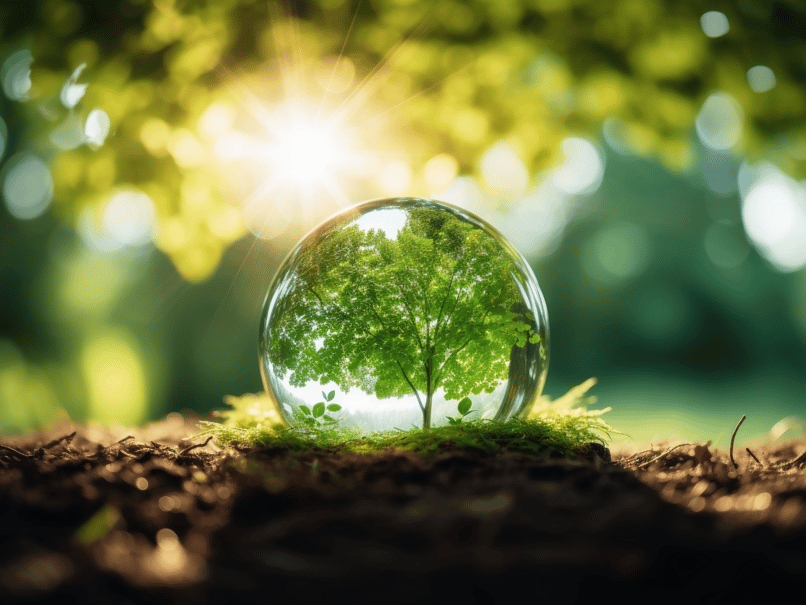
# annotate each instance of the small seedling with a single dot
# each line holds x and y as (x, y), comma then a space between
(464, 409)
(317, 415)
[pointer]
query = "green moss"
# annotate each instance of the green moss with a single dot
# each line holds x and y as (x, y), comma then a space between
(563, 435)
(563, 427)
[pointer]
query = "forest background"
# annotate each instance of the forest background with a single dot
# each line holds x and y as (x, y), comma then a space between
(159, 159)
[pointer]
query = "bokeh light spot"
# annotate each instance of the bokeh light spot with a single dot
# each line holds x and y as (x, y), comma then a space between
(115, 379)
(439, 171)
(470, 124)
(774, 215)
(395, 177)
(72, 92)
(69, 134)
(27, 186)
(186, 149)
(582, 169)
(129, 217)
(154, 134)
(619, 251)
(15, 75)
(535, 225)
(719, 122)
(217, 119)
(227, 223)
(503, 169)
(97, 127)
(714, 24)
(761, 78)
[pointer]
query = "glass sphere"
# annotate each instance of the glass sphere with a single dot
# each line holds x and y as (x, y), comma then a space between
(403, 313)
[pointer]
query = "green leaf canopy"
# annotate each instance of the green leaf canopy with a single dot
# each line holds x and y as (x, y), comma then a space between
(436, 305)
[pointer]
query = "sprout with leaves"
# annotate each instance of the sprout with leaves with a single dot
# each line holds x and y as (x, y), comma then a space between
(463, 407)
(317, 415)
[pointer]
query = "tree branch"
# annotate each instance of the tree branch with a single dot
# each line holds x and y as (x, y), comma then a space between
(416, 393)
(407, 305)
(455, 351)
(444, 300)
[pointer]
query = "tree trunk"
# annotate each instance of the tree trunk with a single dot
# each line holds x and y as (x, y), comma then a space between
(427, 411)
(429, 393)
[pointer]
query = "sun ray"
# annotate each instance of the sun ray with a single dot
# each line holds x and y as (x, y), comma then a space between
(339, 58)
(372, 81)
(303, 148)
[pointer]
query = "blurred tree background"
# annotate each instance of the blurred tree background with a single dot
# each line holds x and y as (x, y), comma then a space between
(158, 158)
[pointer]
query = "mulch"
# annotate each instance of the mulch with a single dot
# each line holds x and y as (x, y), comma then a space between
(90, 516)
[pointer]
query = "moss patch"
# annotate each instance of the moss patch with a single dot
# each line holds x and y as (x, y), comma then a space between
(563, 428)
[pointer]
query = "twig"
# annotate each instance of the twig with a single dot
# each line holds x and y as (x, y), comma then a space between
(794, 462)
(666, 453)
(753, 455)
(193, 447)
(636, 455)
(11, 450)
(55, 442)
(733, 437)
(103, 448)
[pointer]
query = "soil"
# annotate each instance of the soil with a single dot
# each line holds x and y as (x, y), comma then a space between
(88, 516)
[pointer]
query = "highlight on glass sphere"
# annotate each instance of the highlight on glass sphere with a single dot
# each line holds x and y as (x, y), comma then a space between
(403, 313)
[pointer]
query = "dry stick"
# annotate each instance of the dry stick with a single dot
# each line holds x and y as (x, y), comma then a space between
(666, 453)
(55, 442)
(11, 450)
(111, 445)
(636, 455)
(193, 447)
(732, 437)
(794, 462)
(753, 455)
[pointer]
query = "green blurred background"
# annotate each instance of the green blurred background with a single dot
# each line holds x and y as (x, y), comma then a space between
(158, 159)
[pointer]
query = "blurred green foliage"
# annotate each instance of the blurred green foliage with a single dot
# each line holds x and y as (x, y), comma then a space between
(458, 76)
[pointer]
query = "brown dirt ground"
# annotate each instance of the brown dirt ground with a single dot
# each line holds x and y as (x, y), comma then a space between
(95, 518)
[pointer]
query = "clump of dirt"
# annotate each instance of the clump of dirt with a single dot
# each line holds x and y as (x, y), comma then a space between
(110, 518)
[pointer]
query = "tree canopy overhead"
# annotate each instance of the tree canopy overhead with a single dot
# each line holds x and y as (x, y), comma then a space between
(449, 78)
(442, 304)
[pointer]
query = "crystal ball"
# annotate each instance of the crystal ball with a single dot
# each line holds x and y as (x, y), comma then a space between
(403, 313)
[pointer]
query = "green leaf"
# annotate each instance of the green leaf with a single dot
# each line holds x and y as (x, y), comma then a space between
(464, 406)
(334, 407)
(534, 338)
(329, 418)
(305, 410)
(324, 396)
(318, 410)
(330, 395)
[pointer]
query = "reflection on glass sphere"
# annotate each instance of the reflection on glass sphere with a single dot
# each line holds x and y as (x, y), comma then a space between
(403, 313)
